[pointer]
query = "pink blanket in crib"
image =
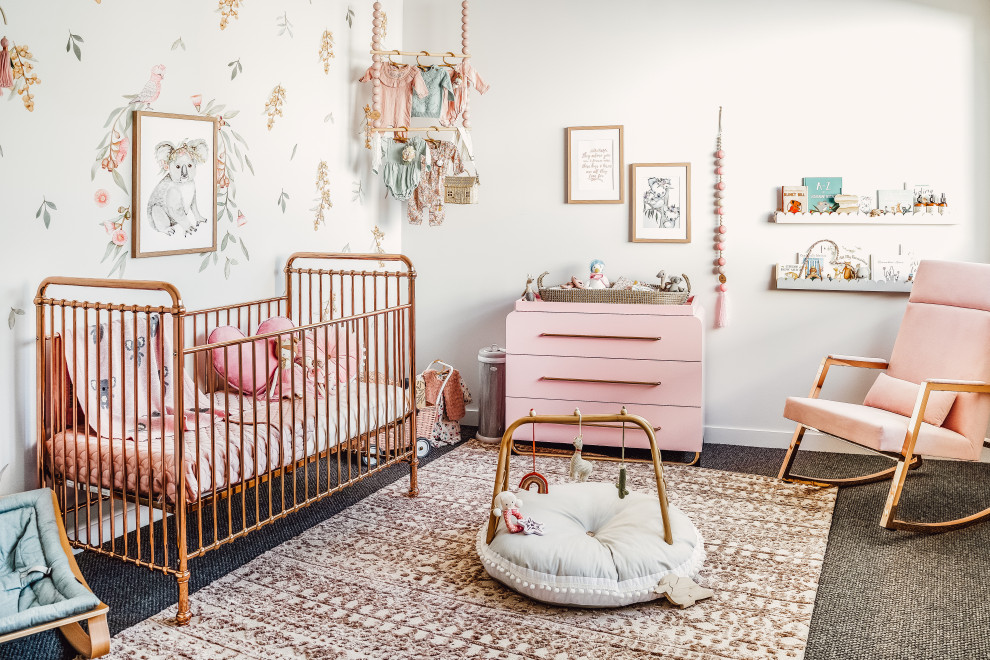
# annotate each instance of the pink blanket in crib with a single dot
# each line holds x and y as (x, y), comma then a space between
(129, 385)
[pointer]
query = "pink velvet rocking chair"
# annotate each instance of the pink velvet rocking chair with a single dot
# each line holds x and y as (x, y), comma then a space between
(933, 397)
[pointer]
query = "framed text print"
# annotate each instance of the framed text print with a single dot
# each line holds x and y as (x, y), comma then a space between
(175, 184)
(594, 165)
(660, 202)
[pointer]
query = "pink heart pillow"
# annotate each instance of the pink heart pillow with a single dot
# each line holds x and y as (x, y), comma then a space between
(247, 366)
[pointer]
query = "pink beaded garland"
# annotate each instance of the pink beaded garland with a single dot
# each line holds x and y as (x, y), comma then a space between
(720, 185)
(719, 170)
(720, 246)
(720, 154)
(722, 229)
(720, 211)
(721, 261)
(723, 287)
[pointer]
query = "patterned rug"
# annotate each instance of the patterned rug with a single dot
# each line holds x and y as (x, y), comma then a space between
(393, 578)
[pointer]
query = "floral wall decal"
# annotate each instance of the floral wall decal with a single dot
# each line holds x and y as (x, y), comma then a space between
(349, 17)
(73, 45)
(326, 50)
(282, 199)
(384, 27)
(178, 43)
(284, 25)
(378, 235)
(323, 202)
(22, 63)
(12, 318)
(273, 108)
(228, 10)
(44, 212)
(151, 90)
(232, 161)
(235, 68)
(116, 250)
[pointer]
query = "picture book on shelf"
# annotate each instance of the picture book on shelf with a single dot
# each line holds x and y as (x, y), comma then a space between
(822, 189)
(895, 201)
(794, 199)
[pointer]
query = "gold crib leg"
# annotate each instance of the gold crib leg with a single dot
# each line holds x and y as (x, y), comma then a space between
(183, 615)
(413, 476)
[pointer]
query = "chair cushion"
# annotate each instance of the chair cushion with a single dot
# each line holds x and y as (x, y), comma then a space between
(621, 564)
(875, 428)
(899, 396)
(29, 538)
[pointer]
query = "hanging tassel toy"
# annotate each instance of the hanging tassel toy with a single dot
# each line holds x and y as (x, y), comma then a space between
(534, 477)
(722, 305)
(6, 69)
(621, 485)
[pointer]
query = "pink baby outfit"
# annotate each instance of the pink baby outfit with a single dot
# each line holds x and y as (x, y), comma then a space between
(430, 192)
(463, 76)
(398, 85)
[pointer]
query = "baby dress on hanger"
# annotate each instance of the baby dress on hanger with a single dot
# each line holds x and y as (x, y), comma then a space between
(429, 194)
(398, 86)
(404, 163)
(437, 81)
(463, 76)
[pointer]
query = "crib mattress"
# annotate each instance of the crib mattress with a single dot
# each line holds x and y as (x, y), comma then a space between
(246, 442)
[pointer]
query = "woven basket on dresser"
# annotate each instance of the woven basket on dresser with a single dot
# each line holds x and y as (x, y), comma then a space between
(655, 297)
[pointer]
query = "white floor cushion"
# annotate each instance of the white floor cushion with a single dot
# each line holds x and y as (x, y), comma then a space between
(620, 562)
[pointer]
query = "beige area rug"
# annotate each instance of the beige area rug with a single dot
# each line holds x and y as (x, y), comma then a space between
(394, 578)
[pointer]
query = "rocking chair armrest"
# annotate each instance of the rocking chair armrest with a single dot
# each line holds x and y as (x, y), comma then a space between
(926, 387)
(951, 385)
(843, 361)
(861, 362)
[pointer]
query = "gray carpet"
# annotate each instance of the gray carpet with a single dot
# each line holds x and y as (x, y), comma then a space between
(882, 594)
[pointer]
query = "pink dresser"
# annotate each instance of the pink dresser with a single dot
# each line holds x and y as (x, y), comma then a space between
(600, 357)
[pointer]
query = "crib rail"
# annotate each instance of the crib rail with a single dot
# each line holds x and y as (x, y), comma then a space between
(176, 448)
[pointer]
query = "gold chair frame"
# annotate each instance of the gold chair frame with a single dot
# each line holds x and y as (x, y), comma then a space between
(92, 644)
(906, 459)
(506, 447)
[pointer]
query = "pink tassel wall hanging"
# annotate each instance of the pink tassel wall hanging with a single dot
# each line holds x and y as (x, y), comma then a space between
(722, 305)
(6, 70)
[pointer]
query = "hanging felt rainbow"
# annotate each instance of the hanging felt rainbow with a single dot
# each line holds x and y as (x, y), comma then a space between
(722, 307)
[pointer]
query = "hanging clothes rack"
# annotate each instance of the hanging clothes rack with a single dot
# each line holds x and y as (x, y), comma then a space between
(378, 55)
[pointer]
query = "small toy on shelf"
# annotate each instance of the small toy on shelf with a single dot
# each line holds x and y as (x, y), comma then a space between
(597, 279)
(529, 294)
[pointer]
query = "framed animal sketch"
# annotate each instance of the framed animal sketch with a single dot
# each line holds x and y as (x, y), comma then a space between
(174, 206)
(660, 202)
(594, 165)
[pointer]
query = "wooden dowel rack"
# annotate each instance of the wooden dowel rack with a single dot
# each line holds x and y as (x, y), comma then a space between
(403, 129)
(422, 53)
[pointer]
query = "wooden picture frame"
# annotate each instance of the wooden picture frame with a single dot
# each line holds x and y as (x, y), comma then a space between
(594, 165)
(660, 202)
(174, 183)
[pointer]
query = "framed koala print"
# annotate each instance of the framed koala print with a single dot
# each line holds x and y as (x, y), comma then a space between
(174, 208)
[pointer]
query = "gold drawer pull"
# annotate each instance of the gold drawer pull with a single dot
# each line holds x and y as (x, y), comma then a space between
(652, 383)
(557, 334)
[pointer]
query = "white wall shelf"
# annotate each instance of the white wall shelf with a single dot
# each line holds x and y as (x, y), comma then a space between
(862, 219)
(845, 286)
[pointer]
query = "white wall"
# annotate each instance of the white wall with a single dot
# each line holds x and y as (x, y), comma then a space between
(48, 153)
(879, 92)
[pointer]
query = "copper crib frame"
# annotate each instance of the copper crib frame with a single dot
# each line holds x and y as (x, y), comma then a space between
(162, 532)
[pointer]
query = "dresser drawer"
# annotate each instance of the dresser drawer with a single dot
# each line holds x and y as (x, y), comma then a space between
(604, 335)
(604, 379)
(680, 429)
